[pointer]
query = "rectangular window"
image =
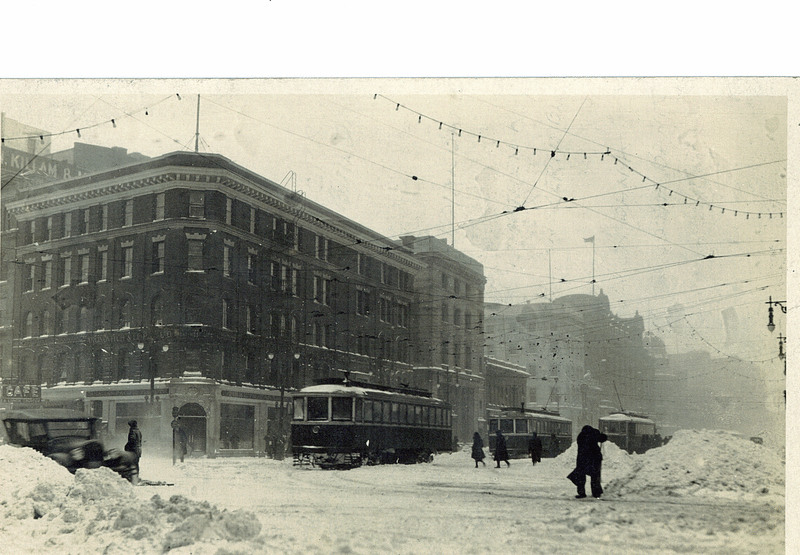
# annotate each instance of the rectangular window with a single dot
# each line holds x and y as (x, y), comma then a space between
(252, 220)
(317, 408)
(197, 204)
(49, 229)
(29, 273)
(251, 268)
(226, 261)
(128, 213)
(341, 408)
(68, 224)
(298, 406)
(362, 302)
(103, 263)
(158, 257)
(66, 270)
(104, 217)
(275, 274)
(160, 199)
(83, 221)
(34, 238)
(84, 262)
(47, 274)
(194, 261)
(228, 211)
(127, 261)
(521, 426)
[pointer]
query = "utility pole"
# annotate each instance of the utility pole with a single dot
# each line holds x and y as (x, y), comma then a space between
(197, 127)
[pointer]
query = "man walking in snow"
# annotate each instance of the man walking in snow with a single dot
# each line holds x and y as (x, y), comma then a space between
(589, 461)
(535, 448)
(500, 449)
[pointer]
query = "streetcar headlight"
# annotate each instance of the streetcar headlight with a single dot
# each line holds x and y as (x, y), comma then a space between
(315, 429)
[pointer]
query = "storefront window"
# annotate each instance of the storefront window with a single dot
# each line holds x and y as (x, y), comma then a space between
(237, 423)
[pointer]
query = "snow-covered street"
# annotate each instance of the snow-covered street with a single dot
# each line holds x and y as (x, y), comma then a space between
(703, 492)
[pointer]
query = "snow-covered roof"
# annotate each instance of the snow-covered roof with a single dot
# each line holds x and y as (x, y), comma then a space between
(622, 417)
(327, 389)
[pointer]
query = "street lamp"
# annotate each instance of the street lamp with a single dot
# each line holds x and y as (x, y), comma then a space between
(770, 323)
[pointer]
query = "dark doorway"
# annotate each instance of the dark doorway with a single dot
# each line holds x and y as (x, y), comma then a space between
(192, 418)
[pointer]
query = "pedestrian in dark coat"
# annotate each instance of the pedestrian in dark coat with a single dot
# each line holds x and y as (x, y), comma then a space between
(134, 444)
(589, 461)
(477, 449)
(535, 448)
(500, 449)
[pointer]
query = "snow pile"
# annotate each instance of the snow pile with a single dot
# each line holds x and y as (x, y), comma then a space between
(616, 461)
(44, 508)
(704, 463)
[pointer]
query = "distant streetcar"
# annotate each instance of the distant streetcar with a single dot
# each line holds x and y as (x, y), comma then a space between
(632, 432)
(346, 424)
(517, 425)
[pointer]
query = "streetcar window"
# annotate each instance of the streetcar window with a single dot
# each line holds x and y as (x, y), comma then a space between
(377, 411)
(298, 412)
(341, 408)
(317, 408)
(403, 412)
(359, 410)
(521, 426)
(426, 414)
(492, 425)
(417, 414)
(395, 412)
(507, 425)
(367, 411)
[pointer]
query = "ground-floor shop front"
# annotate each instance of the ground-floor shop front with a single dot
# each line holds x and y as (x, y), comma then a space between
(218, 419)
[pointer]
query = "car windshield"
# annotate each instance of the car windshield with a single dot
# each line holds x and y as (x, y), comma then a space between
(70, 428)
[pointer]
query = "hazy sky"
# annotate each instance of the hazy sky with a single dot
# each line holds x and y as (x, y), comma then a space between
(710, 145)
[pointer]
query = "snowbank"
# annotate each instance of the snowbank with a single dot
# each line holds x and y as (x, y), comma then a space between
(43, 508)
(704, 463)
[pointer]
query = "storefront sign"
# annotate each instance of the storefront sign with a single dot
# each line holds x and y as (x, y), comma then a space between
(22, 392)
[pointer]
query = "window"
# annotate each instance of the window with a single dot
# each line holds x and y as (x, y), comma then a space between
(521, 426)
(83, 221)
(252, 220)
(68, 224)
(197, 204)
(362, 302)
(28, 325)
(317, 408)
(341, 408)
(321, 247)
(195, 255)
(45, 324)
(227, 314)
(251, 320)
(49, 229)
(63, 326)
(298, 412)
(128, 208)
(84, 319)
(159, 212)
(84, 263)
(226, 261)
(275, 275)
(445, 313)
(125, 311)
(33, 231)
(104, 217)
(30, 271)
(66, 270)
(102, 264)
(251, 268)
(47, 274)
(127, 261)
(158, 257)
(228, 211)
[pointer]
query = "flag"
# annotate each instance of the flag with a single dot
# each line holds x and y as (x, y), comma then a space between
(589, 239)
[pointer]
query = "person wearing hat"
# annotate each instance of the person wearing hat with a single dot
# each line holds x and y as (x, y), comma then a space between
(134, 444)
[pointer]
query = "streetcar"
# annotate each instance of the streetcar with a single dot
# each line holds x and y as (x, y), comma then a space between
(344, 424)
(634, 433)
(518, 425)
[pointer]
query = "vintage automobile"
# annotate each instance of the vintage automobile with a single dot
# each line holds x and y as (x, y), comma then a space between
(69, 438)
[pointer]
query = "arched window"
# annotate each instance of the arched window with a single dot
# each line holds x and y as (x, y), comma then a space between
(125, 311)
(46, 324)
(28, 331)
(84, 319)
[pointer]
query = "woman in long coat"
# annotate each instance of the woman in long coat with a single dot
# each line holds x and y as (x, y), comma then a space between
(477, 449)
(500, 450)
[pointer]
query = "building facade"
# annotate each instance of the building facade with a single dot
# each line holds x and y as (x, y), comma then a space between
(188, 283)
